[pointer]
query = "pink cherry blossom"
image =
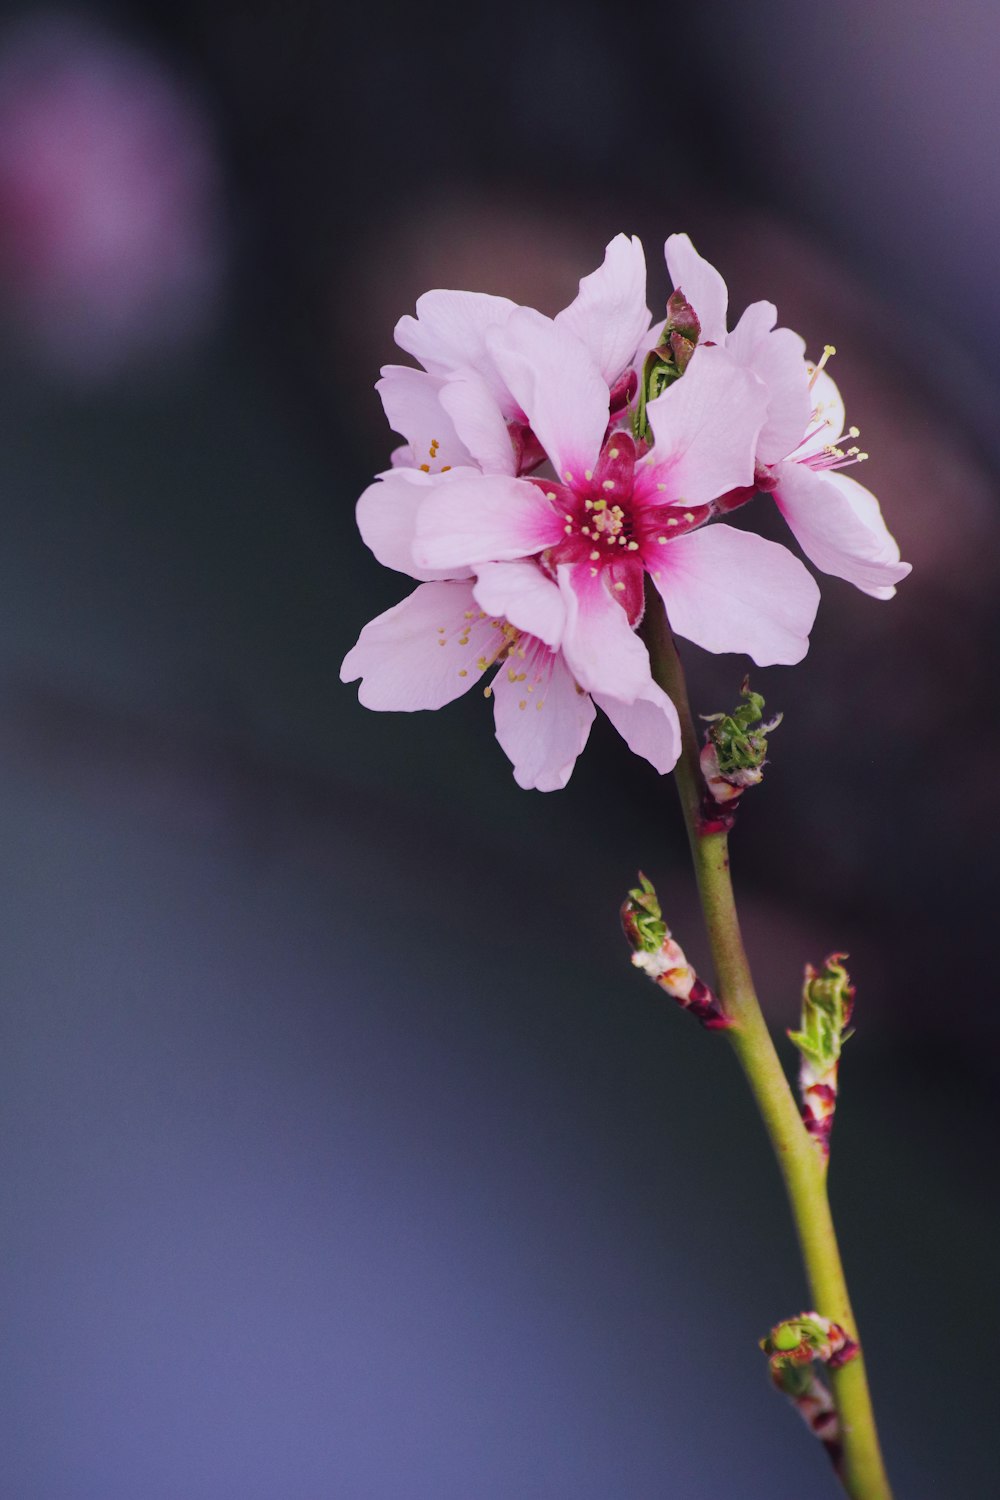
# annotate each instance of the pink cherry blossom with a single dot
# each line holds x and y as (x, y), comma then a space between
(836, 521)
(441, 640)
(615, 514)
(452, 337)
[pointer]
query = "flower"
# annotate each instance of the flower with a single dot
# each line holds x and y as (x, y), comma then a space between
(616, 513)
(452, 335)
(445, 636)
(835, 520)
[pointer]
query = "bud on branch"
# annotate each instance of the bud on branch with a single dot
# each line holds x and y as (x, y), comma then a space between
(827, 1004)
(733, 757)
(794, 1349)
(655, 952)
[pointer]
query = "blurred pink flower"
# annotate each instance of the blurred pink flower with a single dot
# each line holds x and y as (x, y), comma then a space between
(111, 245)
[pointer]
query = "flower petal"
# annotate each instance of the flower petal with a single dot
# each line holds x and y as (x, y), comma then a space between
(411, 399)
(706, 426)
(542, 721)
(827, 419)
(649, 726)
(601, 649)
(609, 314)
(479, 423)
(524, 595)
(778, 360)
(449, 333)
(387, 518)
(730, 590)
(839, 526)
(701, 284)
(484, 518)
(557, 385)
(755, 323)
(425, 651)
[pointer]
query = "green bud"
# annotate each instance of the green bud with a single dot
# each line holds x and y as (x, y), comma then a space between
(740, 738)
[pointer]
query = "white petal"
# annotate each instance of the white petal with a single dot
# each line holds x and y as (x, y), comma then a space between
(484, 518)
(543, 721)
(730, 590)
(524, 595)
(424, 652)
(557, 385)
(701, 284)
(609, 314)
(706, 426)
(649, 726)
(387, 518)
(839, 526)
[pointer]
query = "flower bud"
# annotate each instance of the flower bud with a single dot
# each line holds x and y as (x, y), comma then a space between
(794, 1349)
(655, 952)
(733, 757)
(827, 1005)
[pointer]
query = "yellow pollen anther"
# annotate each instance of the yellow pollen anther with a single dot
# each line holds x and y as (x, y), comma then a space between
(594, 556)
(828, 352)
(568, 530)
(662, 540)
(585, 530)
(622, 541)
(523, 703)
(462, 672)
(445, 468)
(567, 475)
(442, 643)
(661, 486)
(612, 452)
(487, 692)
(632, 547)
(470, 614)
(672, 521)
(550, 494)
(540, 704)
(588, 505)
(854, 432)
(688, 516)
(608, 484)
(425, 468)
(588, 473)
(593, 572)
(619, 587)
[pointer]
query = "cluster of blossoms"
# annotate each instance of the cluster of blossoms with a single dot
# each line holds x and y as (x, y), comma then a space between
(556, 469)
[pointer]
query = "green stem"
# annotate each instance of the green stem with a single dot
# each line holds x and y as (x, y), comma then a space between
(862, 1472)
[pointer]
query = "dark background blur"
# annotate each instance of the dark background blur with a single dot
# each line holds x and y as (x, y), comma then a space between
(343, 1154)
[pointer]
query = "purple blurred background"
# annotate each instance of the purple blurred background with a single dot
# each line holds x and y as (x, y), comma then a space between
(343, 1154)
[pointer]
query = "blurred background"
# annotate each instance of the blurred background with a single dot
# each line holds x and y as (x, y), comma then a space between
(343, 1155)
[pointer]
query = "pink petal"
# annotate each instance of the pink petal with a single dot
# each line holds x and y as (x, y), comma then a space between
(839, 526)
(649, 726)
(701, 284)
(756, 322)
(521, 593)
(425, 651)
(449, 333)
(484, 518)
(730, 590)
(826, 420)
(479, 423)
(387, 518)
(601, 649)
(609, 314)
(778, 360)
(557, 385)
(706, 426)
(413, 408)
(543, 721)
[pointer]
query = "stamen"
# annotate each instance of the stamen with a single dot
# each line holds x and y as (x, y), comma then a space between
(828, 352)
